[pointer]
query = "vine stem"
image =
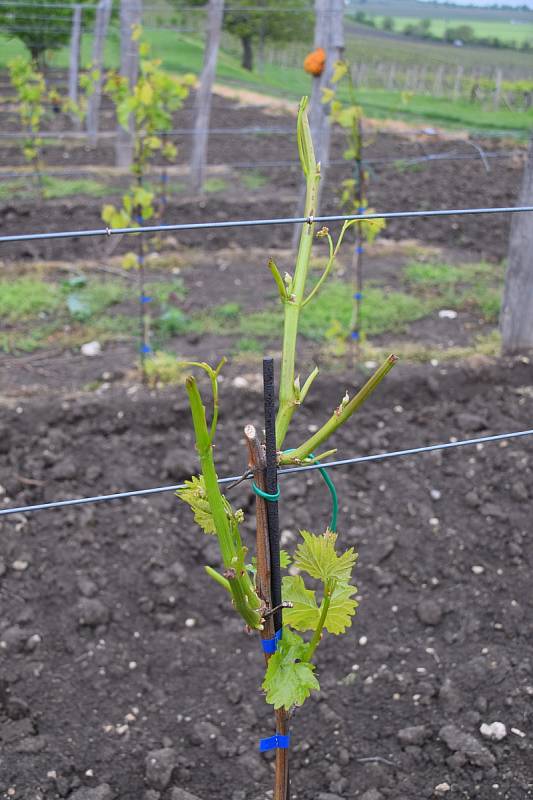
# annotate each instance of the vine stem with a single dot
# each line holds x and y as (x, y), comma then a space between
(257, 463)
(238, 579)
(339, 416)
(295, 293)
(326, 602)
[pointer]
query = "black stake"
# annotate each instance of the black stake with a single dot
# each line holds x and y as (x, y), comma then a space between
(272, 487)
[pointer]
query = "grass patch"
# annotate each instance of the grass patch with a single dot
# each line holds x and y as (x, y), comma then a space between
(248, 344)
(214, 185)
(478, 285)
(436, 274)
(163, 369)
(253, 180)
(54, 188)
(24, 298)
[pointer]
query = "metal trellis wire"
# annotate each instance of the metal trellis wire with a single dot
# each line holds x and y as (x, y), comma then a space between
(245, 223)
(281, 473)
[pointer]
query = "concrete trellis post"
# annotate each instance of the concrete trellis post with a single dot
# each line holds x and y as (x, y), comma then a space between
(516, 319)
(74, 61)
(130, 17)
(103, 13)
(204, 94)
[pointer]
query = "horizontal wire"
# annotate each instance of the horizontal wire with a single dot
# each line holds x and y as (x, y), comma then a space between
(246, 223)
(287, 471)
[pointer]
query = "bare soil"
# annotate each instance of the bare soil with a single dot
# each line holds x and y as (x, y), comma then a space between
(115, 644)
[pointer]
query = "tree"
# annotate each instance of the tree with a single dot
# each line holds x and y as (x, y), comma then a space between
(387, 23)
(516, 319)
(266, 20)
(41, 25)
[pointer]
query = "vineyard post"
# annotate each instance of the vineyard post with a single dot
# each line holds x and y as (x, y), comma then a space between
(130, 18)
(204, 94)
(516, 319)
(74, 61)
(329, 35)
(103, 13)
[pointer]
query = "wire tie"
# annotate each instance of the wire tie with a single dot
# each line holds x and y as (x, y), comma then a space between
(358, 296)
(145, 348)
(270, 645)
(310, 219)
(272, 498)
(108, 232)
(276, 742)
(333, 492)
(355, 335)
(145, 299)
(359, 249)
(362, 209)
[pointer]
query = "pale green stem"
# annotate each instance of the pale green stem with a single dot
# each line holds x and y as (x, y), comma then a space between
(240, 586)
(339, 416)
(293, 303)
(220, 579)
(317, 635)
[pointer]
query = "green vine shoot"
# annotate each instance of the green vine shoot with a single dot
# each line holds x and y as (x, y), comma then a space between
(354, 197)
(309, 613)
(151, 103)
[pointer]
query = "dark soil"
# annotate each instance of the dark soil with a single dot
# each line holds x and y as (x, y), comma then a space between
(115, 644)
(394, 186)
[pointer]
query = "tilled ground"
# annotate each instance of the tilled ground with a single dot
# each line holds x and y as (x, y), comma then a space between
(394, 185)
(124, 673)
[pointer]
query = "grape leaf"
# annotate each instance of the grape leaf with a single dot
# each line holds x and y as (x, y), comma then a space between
(341, 609)
(195, 495)
(316, 555)
(305, 614)
(284, 559)
(288, 682)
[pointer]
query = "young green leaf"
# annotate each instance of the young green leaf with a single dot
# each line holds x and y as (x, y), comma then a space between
(195, 495)
(317, 556)
(288, 681)
(342, 608)
(284, 559)
(305, 613)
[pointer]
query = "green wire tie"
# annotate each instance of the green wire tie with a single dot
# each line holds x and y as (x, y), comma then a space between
(272, 498)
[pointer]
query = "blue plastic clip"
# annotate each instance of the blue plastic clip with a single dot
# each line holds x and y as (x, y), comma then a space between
(270, 645)
(359, 249)
(276, 742)
(145, 299)
(362, 209)
(355, 335)
(358, 296)
(145, 348)
(140, 219)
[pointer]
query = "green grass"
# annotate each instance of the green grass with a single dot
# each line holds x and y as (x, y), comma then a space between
(477, 285)
(503, 30)
(181, 53)
(23, 298)
(214, 185)
(436, 274)
(253, 180)
(54, 188)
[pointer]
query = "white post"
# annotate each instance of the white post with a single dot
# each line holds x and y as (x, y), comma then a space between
(205, 93)
(103, 12)
(498, 89)
(74, 62)
(130, 17)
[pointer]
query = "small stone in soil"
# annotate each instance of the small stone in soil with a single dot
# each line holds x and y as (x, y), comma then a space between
(495, 731)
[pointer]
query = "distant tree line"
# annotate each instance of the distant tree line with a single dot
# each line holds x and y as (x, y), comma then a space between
(459, 33)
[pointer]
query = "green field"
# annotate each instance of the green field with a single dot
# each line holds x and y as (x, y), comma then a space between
(483, 29)
(184, 53)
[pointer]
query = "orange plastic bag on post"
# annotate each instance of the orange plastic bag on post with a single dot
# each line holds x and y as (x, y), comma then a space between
(315, 62)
